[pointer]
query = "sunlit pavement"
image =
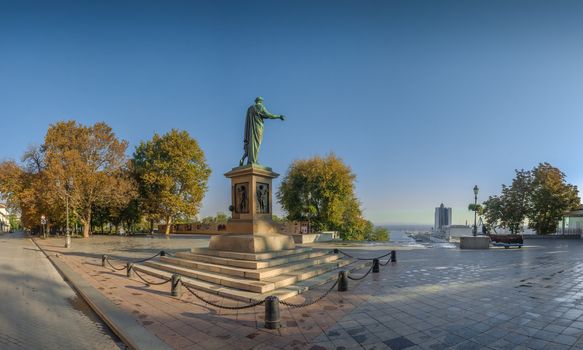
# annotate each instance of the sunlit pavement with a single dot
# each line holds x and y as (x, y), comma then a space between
(38, 310)
(435, 298)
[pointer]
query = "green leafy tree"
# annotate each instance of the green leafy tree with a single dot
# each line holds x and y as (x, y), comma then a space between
(540, 195)
(14, 222)
(172, 175)
(208, 220)
(550, 198)
(510, 209)
(221, 218)
(278, 219)
(478, 208)
(493, 211)
(380, 233)
(320, 190)
(130, 215)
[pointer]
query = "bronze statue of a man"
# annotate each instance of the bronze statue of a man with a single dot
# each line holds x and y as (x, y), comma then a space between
(254, 130)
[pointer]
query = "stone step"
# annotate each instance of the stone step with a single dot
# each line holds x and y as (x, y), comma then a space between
(251, 269)
(249, 256)
(216, 278)
(255, 274)
(266, 285)
(246, 296)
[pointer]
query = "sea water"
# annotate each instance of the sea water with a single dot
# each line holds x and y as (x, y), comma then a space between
(398, 232)
(398, 235)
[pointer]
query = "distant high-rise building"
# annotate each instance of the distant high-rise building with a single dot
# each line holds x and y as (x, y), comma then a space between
(442, 217)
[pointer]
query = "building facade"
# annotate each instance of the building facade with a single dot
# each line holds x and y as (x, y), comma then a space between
(572, 222)
(442, 217)
(4, 220)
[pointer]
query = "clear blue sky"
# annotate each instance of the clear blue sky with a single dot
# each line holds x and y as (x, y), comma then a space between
(423, 99)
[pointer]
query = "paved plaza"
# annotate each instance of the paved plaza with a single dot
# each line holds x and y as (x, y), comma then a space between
(432, 298)
(38, 310)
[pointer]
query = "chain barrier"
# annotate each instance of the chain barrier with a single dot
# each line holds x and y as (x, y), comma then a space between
(134, 262)
(151, 283)
(385, 263)
(146, 259)
(354, 257)
(113, 267)
(304, 304)
(361, 277)
(256, 303)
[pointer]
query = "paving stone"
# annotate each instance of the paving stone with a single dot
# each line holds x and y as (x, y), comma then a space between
(516, 338)
(399, 343)
(536, 344)
(502, 344)
(468, 345)
(39, 309)
(572, 331)
(490, 299)
(565, 339)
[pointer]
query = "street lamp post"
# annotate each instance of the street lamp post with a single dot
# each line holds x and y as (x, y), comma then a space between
(68, 237)
(476, 189)
(67, 188)
(43, 223)
(68, 233)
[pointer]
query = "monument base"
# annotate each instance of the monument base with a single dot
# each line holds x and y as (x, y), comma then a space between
(252, 243)
(475, 242)
(252, 226)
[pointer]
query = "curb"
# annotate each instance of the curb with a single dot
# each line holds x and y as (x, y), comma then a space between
(125, 326)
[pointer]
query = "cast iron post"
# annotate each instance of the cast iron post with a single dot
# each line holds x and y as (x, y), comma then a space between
(272, 312)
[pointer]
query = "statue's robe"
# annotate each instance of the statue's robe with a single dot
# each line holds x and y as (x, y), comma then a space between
(254, 131)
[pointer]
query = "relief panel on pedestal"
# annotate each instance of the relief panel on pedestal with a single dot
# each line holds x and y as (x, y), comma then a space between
(262, 198)
(241, 196)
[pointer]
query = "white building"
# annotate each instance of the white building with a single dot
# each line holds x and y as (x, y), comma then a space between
(572, 222)
(442, 217)
(4, 220)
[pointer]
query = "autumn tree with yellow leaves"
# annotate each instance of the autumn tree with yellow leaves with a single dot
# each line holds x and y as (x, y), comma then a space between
(85, 165)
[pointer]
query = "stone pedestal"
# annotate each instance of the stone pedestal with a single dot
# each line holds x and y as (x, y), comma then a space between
(252, 243)
(251, 228)
(478, 242)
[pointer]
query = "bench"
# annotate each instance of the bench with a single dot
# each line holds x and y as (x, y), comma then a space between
(507, 245)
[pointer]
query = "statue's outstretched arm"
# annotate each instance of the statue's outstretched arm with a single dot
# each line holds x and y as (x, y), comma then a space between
(266, 115)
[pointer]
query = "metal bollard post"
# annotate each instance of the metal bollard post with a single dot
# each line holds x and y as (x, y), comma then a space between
(176, 287)
(375, 266)
(162, 253)
(343, 281)
(336, 251)
(393, 256)
(272, 312)
(130, 270)
(103, 258)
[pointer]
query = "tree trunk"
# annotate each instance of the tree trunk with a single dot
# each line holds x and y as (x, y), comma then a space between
(87, 224)
(168, 225)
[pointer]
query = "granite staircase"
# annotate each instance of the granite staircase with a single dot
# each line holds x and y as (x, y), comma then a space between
(249, 277)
